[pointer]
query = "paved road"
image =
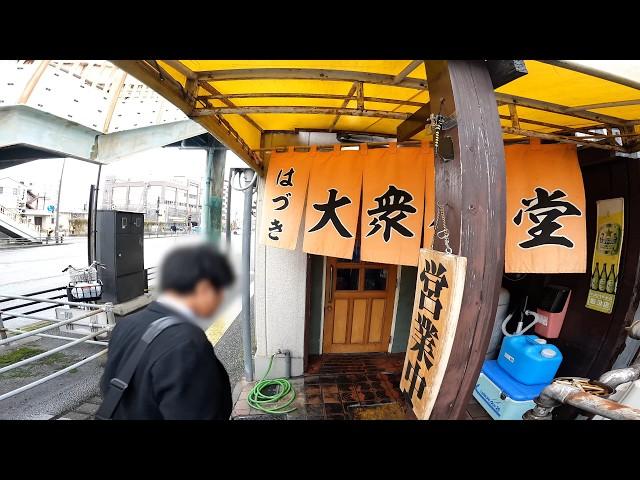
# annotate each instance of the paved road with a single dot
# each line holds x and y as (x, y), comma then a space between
(25, 270)
(29, 269)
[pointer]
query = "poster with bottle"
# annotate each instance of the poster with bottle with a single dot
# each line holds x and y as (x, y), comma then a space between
(606, 255)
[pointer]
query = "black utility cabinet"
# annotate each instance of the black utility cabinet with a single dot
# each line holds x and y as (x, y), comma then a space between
(120, 247)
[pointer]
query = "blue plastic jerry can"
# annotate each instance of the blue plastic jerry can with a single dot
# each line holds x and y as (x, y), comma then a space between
(529, 359)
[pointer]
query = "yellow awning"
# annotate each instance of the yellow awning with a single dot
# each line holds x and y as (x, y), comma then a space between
(389, 91)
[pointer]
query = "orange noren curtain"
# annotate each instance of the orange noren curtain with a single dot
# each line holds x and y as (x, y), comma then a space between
(546, 226)
(285, 191)
(333, 203)
(393, 204)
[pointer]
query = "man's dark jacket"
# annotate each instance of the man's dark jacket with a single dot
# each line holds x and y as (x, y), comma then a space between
(178, 377)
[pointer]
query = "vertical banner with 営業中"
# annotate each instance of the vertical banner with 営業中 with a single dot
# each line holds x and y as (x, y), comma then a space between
(436, 308)
(546, 227)
(605, 266)
(393, 204)
(333, 203)
(284, 196)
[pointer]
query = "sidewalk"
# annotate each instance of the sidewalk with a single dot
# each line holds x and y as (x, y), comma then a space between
(84, 411)
(225, 335)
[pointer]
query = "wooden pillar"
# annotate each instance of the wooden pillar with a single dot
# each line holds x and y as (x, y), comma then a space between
(471, 187)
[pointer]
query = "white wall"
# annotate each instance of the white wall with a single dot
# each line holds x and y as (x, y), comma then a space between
(12, 191)
(280, 294)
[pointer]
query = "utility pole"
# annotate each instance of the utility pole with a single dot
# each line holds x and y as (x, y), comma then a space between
(55, 232)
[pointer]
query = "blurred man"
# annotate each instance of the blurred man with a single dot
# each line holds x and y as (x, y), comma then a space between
(160, 364)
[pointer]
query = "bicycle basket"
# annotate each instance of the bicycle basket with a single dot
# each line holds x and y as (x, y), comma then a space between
(83, 275)
(85, 291)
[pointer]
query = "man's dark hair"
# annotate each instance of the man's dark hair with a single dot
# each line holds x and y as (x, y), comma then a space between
(184, 267)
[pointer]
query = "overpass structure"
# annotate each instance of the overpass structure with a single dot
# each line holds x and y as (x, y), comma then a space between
(87, 110)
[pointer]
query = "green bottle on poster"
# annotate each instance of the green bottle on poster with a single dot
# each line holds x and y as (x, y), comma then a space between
(611, 281)
(595, 276)
(602, 281)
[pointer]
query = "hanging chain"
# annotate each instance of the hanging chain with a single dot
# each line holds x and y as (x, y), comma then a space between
(436, 126)
(444, 233)
(439, 123)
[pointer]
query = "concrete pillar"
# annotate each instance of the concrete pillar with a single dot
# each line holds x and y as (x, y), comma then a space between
(279, 302)
(214, 183)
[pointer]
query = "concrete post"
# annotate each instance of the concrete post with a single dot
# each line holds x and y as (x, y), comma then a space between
(214, 183)
(228, 213)
(246, 276)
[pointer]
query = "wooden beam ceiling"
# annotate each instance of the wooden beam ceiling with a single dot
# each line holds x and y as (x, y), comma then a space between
(562, 109)
(586, 141)
(283, 109)
(309, 74)
(196, 80)
(594, 72)
(562, 139)
(209, 88)
(344, 105)
(190, 75)
(323, 96)
(596, 106)
(406, 71)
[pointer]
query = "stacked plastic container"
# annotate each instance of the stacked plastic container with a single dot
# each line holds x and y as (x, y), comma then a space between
(507, 386)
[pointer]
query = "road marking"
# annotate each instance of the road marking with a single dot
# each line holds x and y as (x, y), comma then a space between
(223, 321)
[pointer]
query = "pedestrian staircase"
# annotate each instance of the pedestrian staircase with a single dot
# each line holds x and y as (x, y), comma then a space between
(14, 232)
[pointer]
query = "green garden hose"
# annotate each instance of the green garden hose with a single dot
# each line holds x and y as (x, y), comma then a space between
(269, 403)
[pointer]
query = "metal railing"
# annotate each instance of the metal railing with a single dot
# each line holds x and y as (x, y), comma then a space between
(152, 275)
(166, 233)
(17, 242)
(9, 335)
(33, 300)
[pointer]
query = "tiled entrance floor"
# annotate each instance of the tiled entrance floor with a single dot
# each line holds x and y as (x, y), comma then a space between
(335, 383)
(335, 387)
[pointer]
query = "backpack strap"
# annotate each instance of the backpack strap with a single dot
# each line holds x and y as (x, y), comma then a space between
(119, 383)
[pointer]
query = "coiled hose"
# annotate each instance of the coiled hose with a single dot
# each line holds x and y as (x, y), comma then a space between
(269, 403)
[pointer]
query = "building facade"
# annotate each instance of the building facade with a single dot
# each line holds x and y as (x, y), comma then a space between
(164, 202)
(291, 295)
(19, 202)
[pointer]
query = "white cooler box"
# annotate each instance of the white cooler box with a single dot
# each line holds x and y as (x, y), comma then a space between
(502, 396)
